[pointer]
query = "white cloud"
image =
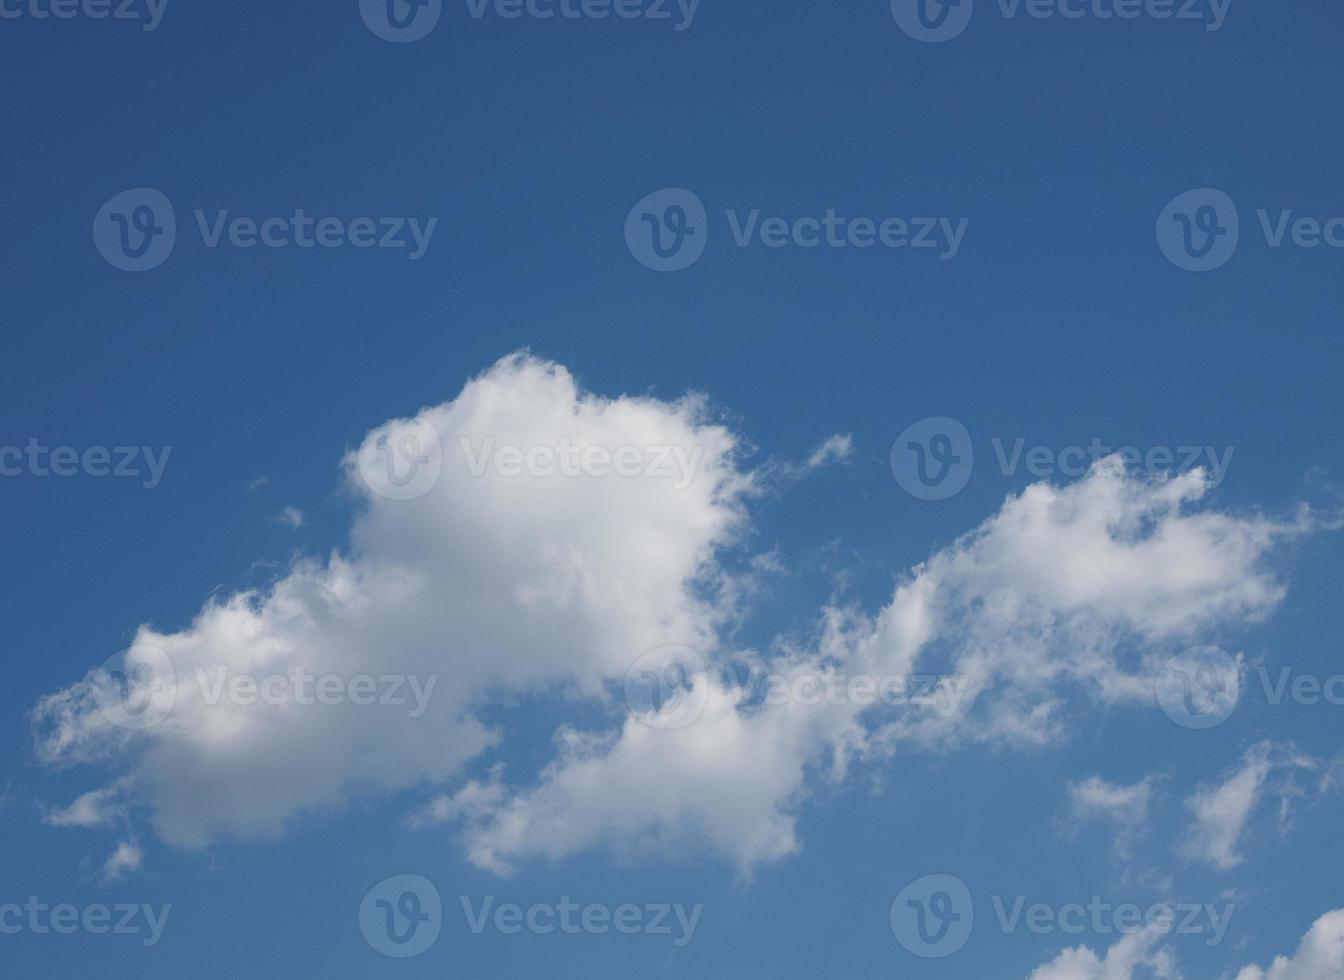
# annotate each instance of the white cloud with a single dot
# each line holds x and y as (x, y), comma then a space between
(527, 584)
(1319, 957)
(1126, 808)
(1121, 962)
(126, 858)
(96, 808)
(1222, 811)
(837, 448)
(1043, 604)
(291, 516)
(553, 586)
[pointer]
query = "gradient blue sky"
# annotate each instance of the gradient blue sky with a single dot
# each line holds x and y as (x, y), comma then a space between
(1059, 321)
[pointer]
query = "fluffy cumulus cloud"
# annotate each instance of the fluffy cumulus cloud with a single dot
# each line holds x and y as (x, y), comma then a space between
(523, 571)
(1069, 595)
(1122, 962)
(484, 583)
(1320, 957)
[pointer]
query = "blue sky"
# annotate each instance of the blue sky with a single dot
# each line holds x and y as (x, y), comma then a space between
(1055, 163)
